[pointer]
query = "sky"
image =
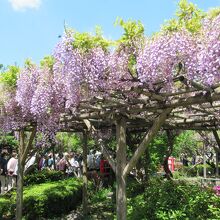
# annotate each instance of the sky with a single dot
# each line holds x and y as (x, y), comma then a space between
(31, 28)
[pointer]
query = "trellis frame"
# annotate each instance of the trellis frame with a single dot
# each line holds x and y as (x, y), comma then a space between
(190, 107)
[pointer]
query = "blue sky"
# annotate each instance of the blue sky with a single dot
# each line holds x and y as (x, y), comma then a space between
(30, 28)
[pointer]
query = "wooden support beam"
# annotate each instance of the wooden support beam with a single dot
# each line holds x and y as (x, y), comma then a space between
(217, 151)
(192, 121)
(178, 93)
(215, 133)
(85, 179)
(147, 139)
(109, 158)
(88, 124)
(120, 165)
(200, 99)
(194, 84)
(20, 176)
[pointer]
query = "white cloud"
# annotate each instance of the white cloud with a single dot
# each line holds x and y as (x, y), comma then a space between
(21, 5)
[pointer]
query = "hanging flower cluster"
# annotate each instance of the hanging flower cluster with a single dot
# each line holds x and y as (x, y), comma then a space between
(209, 54)
(77, 74)
(161, 57)
(199, 56)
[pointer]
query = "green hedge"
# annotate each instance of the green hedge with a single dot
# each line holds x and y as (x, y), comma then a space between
(198, 170)
(5, 205)
(43, 176)
(164, 200)
(46, 200)
(193, 171)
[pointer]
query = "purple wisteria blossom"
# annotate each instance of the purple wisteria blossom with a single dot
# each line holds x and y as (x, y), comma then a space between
(199, 55)
(78, 74)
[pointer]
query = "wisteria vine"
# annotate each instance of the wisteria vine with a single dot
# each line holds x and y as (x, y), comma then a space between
(42, 94)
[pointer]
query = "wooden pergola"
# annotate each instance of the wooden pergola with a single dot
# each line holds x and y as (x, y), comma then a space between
(190, 106)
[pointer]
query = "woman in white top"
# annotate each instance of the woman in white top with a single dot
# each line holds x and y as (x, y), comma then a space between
(12, 167)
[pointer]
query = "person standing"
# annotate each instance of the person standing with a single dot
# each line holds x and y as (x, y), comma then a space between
(91, 160)
(62, 165)
(12, 170)
(185, 161)
(3, 171)
(74, 165)
(50, 161)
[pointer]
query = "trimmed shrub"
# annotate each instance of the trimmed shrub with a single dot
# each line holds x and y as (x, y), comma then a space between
(5, 205)
(46, 200)
(43, 177)
(174, 200)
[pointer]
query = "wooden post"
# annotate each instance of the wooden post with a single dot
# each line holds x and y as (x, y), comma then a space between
(22, 156)
(204, 161)
(217, 163)
(85, 180)
(217, 151)
(120, 165)
(19, 197)
(169, 151)
(107, 156)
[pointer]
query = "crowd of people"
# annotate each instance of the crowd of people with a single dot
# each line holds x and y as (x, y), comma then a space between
(70, 163)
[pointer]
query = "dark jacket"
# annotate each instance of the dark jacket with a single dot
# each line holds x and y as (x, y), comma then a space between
(3, 166)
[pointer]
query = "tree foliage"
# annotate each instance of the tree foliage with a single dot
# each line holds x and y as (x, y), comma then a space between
(186, 143)
(9, 76)
(188, 16)
(8, 140)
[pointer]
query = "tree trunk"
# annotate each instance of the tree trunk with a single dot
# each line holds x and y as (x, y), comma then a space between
(19, 201)
(217, 163)
(120, 165)
(168, 173)
(217, 152)
(147, 166)
(85, 180)
(19, 197)
(54, 158)
(169, 151)
(204, 161)
(22, 156)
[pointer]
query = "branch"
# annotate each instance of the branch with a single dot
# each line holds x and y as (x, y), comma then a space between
(88, 125)
(194, 84)
(147, 139)
(29, 145)
(197, 99)
(21, 142)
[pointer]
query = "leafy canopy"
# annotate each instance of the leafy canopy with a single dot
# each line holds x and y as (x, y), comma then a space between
(133, 30)
(47, 61)
(188, 17)
(86, 41)
(9, 76)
